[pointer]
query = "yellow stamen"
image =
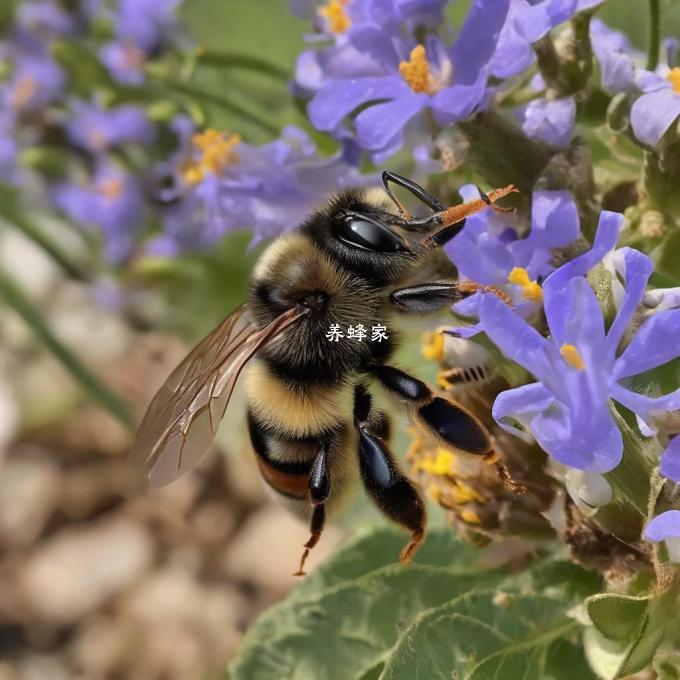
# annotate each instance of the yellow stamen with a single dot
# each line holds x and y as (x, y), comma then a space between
(416, 71)
(441, 465)
(471, 517)
(215, 152)
(571, 355)
(110, 188)
(531, 290)
(24, 91)
(674, 77)
(433, 347)
(336, 16)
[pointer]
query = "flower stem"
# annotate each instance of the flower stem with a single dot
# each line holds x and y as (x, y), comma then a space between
(14, 297)
(653, 36)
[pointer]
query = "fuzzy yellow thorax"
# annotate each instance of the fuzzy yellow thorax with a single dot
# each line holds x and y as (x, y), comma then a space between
(531, 290)
(572, 356)
(215, 152)
(335, 14)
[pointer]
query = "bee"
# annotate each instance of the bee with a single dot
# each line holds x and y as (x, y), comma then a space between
(312, 422)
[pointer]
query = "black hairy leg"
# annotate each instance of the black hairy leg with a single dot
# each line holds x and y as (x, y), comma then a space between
(443, 420)
(393, 493)
(319, 491)
(418, 191)
(447, 422)
(428, 297)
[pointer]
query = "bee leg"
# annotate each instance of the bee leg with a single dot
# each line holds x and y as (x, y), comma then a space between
(428, 297)
(445, 421)
(452, 219)
(394, 494)
(418, 191)
(319, 490)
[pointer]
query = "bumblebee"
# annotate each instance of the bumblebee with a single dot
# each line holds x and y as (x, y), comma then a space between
(312, 422)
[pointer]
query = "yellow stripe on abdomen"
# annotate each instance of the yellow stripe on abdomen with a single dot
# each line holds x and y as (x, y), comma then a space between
(301, 412)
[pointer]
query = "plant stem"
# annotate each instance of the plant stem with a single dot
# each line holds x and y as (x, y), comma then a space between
(653, 36)
(14, 297)
(218, 100)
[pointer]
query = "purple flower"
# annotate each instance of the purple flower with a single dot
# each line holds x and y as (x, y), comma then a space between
(97, 129)
(35, 82)
(538, 18)
(513, 53)
(550, 120)
(569, 410)
(9, 148)
(141, 25)
(226, 184)
(488, 251)
(145, 23)
(658, 108)
(666, 527)
(528, 21)
(613, 50)
(113, 203)
(125, 62)
(37, 22)
(368, 36)
(451, 83)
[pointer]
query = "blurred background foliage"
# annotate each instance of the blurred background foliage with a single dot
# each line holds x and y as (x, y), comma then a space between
(195, 579)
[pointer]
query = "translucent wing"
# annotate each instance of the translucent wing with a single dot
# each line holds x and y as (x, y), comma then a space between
(183, 417)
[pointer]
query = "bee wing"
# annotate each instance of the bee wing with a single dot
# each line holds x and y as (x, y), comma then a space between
(183, 417)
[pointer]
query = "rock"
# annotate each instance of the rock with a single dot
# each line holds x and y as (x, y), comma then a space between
(29, 492)
(28, 265)
(9, 414)
(267, 549)
(171, 626)
(80, 569)
(85, 326)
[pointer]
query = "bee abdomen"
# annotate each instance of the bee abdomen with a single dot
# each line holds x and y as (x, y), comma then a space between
(290, 478)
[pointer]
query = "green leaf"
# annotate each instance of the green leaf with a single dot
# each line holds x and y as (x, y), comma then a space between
(617, 617)
(489, 634)
(14, 297)
(378, 547)
(362, 616)
(345, 630)
(241, 60)
(210, 98)
(612, 659)
(667, 666)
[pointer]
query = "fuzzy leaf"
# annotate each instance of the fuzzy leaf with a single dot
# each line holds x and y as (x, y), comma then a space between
(345, 630)
(490, 634)
(359, 615)
(612, 659)
(617, 617)
(378, 547)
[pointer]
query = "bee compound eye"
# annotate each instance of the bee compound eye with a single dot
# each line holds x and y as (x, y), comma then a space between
(369, 234)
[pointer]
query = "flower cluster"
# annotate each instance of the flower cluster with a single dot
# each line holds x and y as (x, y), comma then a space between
(519, 92)
(555, 294)
(394, 70)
